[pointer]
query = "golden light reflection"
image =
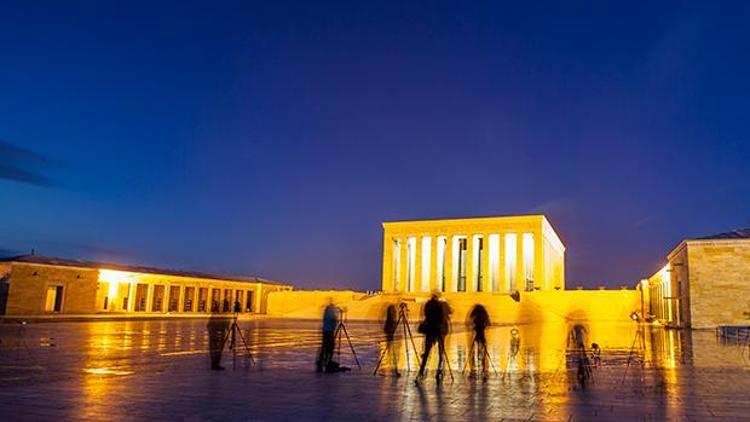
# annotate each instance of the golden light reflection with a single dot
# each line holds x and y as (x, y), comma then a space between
(114, 278)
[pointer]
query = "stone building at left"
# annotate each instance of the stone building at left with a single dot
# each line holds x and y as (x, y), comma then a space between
(40, 285)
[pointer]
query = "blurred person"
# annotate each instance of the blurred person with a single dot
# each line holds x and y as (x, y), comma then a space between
(435, 327)
(217, 333)
(577, 351)
(480, 320)
(330, 322)
(596, 355)
(389, 329)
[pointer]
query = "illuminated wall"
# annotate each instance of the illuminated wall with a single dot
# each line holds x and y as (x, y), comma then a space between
(705, 284)
(40, 289)
(540, 306)
(492, 254)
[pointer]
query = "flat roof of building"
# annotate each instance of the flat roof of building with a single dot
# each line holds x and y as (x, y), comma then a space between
(80, 263)
(734, 234)
(488, 218)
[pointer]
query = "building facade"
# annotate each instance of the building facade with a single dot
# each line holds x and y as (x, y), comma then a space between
(705, 283)
(488, 254)
(38, 285)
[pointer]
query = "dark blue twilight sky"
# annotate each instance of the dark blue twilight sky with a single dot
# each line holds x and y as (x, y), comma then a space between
(273, 138)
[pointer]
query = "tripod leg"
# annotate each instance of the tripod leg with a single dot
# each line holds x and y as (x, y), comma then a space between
(382, 356)
(441, 343)
(406, 345)
(470, 355)
(489, 359)
(630, 355)
(411, 337)
(337, 336)
(351, 346)
(247, 347)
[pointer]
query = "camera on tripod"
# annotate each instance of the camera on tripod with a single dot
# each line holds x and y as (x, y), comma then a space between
(237, 308)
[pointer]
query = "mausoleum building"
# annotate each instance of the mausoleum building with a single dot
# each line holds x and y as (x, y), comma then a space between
(487, 254)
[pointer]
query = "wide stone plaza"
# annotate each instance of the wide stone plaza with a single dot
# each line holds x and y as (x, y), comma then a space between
(158, 370)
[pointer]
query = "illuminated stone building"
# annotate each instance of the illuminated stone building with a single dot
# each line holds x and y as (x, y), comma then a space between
(488, 254)
(705, 283)
(38, 285)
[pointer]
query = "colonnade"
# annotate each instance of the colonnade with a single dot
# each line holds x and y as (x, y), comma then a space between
(497, 262)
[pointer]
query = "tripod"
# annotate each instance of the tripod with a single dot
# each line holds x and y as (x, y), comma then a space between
(515, 347)
(402, 320)
(485, 355)
(638, 339)
(234, 332)
(341, 329)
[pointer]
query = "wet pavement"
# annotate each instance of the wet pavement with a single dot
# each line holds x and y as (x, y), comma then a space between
(158, 370)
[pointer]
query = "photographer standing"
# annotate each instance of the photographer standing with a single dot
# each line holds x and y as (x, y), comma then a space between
(435, 328)
(389, 329)
(480, 320)
(330, 322)
(217, 331)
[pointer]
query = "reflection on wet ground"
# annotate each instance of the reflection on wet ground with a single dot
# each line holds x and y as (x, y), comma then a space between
(158, 369)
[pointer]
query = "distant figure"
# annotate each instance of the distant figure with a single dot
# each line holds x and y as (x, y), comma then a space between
(515, 347)
(435, 327)
(226, 305)
(330, 322)
(515, 341)
(596, 355)
(577, 338)
(577, 351)
(217, 332)
(389, 329)
(480, 320)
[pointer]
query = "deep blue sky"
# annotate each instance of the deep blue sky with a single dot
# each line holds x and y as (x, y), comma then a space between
(273, 138)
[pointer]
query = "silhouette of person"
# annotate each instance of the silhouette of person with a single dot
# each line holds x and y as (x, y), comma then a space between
(217, 331)
(577, 349)
(435, 327)
(480, 320)
(330, 322)
(596, 354)
(389, 329)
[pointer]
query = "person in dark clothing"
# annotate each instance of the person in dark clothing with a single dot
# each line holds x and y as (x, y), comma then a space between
(435, 327)
(389, 329)
(330, 322)
(480, 320)
(217, 332)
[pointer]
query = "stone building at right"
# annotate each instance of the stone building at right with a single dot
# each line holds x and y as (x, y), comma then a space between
(705, 283)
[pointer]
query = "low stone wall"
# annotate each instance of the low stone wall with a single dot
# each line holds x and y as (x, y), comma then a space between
(307, 304)
(568, 305)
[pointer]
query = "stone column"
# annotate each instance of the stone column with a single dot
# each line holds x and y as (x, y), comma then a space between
(133, 285)
(433, 263)
(520, 275)
(387, 268)
(402, 265)
(450, 284)
(539, 277)
(486, 277)
(470, 286)
(501, 282)
(417, 281)
(258, 298)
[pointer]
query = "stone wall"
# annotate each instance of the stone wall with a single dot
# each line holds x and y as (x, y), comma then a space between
(719, 282)
(29, 283)
(85, 290)
(569, 305)
(308, 303)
